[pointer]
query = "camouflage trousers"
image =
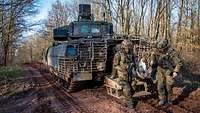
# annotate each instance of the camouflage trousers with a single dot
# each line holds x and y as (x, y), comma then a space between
(127, 91)
(165, 83)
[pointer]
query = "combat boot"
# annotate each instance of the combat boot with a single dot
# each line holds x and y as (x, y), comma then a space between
(169, 99)
(162, 100)
(169, 102)
(130, 104)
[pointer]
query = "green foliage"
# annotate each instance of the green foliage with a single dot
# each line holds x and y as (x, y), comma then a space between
(12, 93)
(11, 72)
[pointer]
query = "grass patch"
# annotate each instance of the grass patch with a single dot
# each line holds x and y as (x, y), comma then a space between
(10, 73)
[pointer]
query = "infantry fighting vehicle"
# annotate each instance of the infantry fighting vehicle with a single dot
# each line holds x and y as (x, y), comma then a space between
(84, 50)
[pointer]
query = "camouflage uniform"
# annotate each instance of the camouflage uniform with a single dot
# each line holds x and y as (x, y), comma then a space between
(123, 62)
(114, 70)
(168, 65)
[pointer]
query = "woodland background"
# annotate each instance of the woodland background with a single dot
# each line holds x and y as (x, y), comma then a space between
(179, 20)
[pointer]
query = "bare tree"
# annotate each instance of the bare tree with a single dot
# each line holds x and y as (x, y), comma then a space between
(13, 23)
(142, 14)
(59, 15)
(174, 19)
(180, 16)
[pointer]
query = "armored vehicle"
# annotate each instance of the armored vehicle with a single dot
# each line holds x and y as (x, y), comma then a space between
(83, 50)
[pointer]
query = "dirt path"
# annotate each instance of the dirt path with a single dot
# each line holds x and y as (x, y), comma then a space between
(41, 94)
(52, 97)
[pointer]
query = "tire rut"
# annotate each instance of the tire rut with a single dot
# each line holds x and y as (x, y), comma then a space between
(68, 102)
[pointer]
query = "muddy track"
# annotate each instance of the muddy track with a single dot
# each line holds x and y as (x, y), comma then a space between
(64, 97)
(69, 103)
(45, 95)
(61, 96)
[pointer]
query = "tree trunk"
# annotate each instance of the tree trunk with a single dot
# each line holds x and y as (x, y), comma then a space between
(128, 17)
(168, 18)
(150, 26)
(109, 11)
(5, 56)
(141, 19)
(179, 30)
(31, 54)
(191, 15)
(122, 16)
(157, 19)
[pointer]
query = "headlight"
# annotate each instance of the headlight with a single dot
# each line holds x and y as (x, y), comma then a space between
(71, 52)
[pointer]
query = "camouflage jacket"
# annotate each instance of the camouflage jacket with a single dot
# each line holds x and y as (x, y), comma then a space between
(169, 60)
(122, 61)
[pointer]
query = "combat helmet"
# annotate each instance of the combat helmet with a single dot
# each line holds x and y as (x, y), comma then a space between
(126, 43)
(163, 43)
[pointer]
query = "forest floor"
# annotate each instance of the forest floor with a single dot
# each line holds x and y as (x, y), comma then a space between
(37, 92)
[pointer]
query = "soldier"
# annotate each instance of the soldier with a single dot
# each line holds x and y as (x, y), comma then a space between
(123, 63)
(114, 71)
(168, 64)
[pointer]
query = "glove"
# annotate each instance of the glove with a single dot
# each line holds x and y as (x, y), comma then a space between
(133, 72)
(175, 74)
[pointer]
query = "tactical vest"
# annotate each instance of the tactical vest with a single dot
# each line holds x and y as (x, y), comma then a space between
(126, 59)
(165, 60)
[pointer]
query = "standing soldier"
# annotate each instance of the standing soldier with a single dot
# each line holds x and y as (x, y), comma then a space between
(168, 65)
(123, 63)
